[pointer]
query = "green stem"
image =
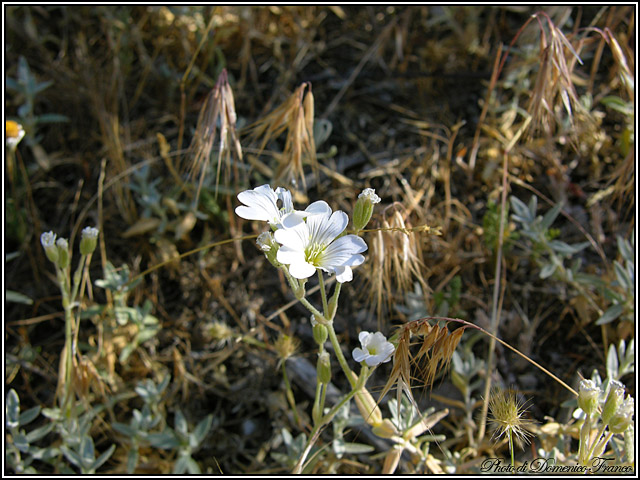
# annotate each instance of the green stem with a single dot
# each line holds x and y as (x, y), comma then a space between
(513, 461)
(343, 362)
(290, 397)
(298, 291)
(315, 432)
(323, 293)
(333, 303)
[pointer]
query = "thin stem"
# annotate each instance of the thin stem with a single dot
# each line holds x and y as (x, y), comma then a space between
(333, 305)
(290, 396)
(315, 432)
(323, 293)
(343, 363)
(513, 461)
(495, 312)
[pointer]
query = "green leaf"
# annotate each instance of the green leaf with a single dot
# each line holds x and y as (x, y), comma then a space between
(29, 416)
(103, 458)
(623, 276)
(550, 216)
(612, 362)
(181, 424)
(132, 460)
(72, 456)
(521, 212)
(181, 465)
(547, 270)
(565, 248)
(192, 466)
(38, 433)
(13, 409)
(17, 297)
(356, 448)
(201, 431)
(610, 315)
(21, 442)
(52, 118)
(124, 429)
(87, 450)
(126, 352)
(166, 440)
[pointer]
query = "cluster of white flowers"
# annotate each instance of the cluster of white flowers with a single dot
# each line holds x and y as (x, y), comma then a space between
(308, 240)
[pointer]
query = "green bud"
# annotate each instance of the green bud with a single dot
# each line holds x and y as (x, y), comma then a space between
(623, 417)
(588, 397)
(364, 208)
(324, 367)
(269, 246)
(614, 399)
(320, 333)
(48, 240)
(89, 240)
(63, 253)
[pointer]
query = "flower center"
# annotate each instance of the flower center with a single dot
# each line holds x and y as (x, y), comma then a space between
(313, 253)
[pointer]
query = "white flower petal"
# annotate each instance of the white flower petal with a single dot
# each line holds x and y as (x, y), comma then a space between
(332, 228)
(288, 256)
(344, 274)
(344, 251)
(363, 336)
(301, 270)
(319, 207)
(359, 355)
(296, 238)
(259, 204)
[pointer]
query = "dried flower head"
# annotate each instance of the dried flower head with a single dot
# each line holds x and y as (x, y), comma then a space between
(286, 346)
(507, 416)
(436, 349)
(218, 109)
(397, 261)
(296, 116)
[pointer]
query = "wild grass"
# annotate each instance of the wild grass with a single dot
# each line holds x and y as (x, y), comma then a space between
(501, 141)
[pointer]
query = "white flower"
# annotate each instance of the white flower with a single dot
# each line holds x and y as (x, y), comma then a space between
(314, 244)
(90, 232)
(370, 194)
(48, 239)
(375, 349)
(261, 203)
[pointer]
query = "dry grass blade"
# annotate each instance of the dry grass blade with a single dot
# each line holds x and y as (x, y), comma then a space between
(434, 355)
(553, 82)
(218, 108)
(396, 260)
(295, 116)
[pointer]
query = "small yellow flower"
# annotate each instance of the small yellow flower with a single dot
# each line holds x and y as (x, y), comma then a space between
(14, 133)
(506, 416)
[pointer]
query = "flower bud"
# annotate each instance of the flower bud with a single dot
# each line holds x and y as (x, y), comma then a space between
(269, 246)
(320, 333)
(63, 253)
(89, 240)
(324, 367)
(385, 429)
(588, 397)
(368, 408)
(48, 240)
(623, 416)
(364, 208)
(614, 399)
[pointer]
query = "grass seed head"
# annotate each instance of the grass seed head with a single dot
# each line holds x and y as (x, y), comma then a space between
(507, 416)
